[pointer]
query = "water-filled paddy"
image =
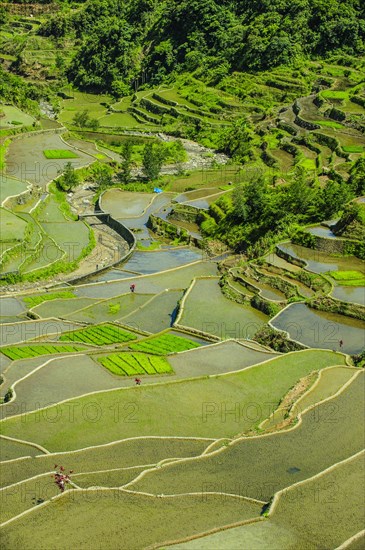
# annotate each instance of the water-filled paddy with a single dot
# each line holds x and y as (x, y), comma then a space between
(264, 465)
(49, 252)
(62, 307)
(153, 262)
(151, 284)
(276, 261)
(60, 379)
(10, 187)
(321, 231)
(217, 358)
(13, 114)
(10, 306)
(121, 454)
(136, 222)
(354, 294)
(207, 310)
(318, 329)
(264, 385)
(320, 262)
(71, 236)
(184, 517)
(110, 310)
(125, 204)
(26, 161)
(264, 290)
(49, 329)
(298, 520)
(12, 226)
(109, 275)
(12, 449)
(156, 315)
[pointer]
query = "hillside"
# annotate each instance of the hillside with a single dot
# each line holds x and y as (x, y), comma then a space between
(111, 44)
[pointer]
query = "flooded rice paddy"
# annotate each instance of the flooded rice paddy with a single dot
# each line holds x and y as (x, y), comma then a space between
(319, 329)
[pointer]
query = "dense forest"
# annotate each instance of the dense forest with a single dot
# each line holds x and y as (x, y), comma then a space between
(119, 42)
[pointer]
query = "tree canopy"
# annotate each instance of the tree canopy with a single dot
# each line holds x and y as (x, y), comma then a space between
(119, 41)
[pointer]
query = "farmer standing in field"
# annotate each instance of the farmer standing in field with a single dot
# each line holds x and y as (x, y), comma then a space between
(132, 287)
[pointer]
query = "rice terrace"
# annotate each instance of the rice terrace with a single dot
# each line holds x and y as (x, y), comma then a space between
(182, 277)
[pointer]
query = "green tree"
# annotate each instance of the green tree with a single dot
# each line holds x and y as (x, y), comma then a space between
(4, 16)
(127, 163)
(357, 177)
(94, 124)
(236, 140)
(69, 178)
(101, 174)
(81, 119)
(301, 195)
(333, 197)
(153, 157)
(8, 396)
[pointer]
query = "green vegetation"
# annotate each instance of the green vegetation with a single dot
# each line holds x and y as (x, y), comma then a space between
(183, 517)
(33, 301)
(297, 508)
(126, 453)
(158, 414)
(257, 214)
(164, 344)
(24, 352)
(130, 364)
(69, 178)
(334, 94)
(59, 154)
(99, 335)
(112, 85)
(234, 37)
(348, 278)
(353, 148)
(306, 448)
(12, 227)
(329, 124)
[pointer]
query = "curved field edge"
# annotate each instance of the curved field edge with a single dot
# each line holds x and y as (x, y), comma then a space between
(327, 383)
(120, 454)
(319, 511)
(119, 512)
(151, 410)
(12, 449)
(259, 466)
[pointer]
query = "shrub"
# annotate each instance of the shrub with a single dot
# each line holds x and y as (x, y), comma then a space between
(8, 396)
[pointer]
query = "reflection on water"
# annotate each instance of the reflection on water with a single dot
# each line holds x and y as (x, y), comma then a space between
(319, 329)
(152, 262)
(321, 231)
(320, 262)
(354, 294)
(110, 275)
